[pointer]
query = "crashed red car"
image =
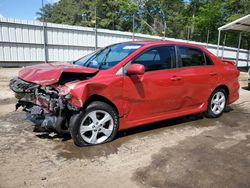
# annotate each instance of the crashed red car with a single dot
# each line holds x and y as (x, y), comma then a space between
(125, 85)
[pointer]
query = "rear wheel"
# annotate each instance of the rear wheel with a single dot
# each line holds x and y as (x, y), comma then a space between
(216, 103)
(97, 124)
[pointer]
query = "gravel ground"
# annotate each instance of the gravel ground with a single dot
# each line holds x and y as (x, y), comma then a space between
(191, 151)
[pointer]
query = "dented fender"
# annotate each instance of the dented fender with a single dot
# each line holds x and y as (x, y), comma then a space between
(107, 87)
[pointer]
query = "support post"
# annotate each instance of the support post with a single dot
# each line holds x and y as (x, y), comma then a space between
(238, 50)
(96, 41)
(218, 44)
(223, 47)
(44, 37)
(248, 54)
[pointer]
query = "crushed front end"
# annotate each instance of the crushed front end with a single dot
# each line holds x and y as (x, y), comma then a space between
(43, 104)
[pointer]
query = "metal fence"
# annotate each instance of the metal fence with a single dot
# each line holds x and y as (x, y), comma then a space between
(23, 42)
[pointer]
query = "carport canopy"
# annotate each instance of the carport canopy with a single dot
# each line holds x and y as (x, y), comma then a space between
(240, 25)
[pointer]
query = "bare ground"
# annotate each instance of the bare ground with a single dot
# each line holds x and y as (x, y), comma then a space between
(191, 151)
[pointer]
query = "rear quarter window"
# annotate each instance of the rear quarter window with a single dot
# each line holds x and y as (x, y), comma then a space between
(208, 60)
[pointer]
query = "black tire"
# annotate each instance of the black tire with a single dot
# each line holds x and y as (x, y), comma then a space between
(209, 113)
(76, 120)
(61, 126)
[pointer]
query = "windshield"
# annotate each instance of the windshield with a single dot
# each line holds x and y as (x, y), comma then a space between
(107, 57)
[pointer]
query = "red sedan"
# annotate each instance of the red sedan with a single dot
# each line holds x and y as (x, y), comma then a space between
(125, 85)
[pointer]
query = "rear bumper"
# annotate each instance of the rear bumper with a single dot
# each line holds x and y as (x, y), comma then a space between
(233, 97)
(234, 92)
(234, 87)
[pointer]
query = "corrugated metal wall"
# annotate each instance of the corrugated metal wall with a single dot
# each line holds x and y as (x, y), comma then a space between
(22, 41)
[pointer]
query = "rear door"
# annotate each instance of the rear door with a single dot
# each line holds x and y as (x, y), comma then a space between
(198, 74)
(157, 91)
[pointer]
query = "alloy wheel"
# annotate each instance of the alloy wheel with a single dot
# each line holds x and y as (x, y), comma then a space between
(218, 102)
(96, 127)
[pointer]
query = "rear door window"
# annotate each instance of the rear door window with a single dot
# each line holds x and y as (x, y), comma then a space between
(191, 57)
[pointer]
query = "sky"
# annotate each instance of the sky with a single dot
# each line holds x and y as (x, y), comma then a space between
(21, 9)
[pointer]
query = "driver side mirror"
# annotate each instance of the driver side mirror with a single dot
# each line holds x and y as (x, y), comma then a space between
(135, 69)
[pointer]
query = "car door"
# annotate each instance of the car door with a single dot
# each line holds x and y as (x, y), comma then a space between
(198, 74)
(157, 91)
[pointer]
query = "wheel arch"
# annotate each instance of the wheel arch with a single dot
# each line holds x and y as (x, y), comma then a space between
(95, 97)
(225, 88)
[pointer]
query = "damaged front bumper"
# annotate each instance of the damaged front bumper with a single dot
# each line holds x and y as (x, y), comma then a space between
(43, 104)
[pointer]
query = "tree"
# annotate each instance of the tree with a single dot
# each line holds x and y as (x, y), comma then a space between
(63, 12)
(151, 16)
(236, 8)
(111, 14)
(210, 16)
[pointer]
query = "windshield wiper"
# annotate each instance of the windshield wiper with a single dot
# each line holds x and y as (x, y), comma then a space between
(104, 61)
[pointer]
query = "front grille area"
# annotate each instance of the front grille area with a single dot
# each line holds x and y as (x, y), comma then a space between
(20, 86)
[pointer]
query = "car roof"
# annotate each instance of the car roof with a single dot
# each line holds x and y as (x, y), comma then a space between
(160, 42)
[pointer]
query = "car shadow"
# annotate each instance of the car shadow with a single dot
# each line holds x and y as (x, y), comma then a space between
(43, 133)
(243, 69)
(166, 123)
(50, 134)
(160, 124)
(228, 109)
(245, 88)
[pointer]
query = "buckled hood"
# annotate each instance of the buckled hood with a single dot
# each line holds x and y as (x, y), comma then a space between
(50, 73)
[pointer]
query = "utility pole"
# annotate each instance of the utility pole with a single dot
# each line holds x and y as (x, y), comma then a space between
(165, 25)
(188, 35)
(44, 36)
(208, 33)
(96, 29)
(133, 37)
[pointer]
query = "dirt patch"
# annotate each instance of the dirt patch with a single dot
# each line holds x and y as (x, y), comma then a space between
(191, 151)
(198, 162)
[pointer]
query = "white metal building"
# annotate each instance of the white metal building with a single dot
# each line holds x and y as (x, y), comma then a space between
(24, 42)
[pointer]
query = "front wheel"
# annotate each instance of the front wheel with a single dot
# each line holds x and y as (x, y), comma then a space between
(97, 124)
(216, 103)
